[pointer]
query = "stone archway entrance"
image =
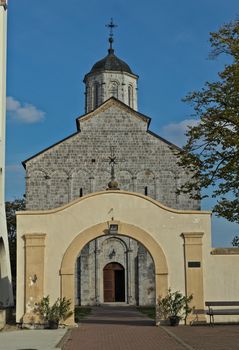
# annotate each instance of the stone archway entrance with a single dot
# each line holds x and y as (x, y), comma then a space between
(68, 262)
(102, 215)
(114, 283)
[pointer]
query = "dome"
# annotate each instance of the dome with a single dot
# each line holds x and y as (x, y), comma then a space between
(111, 62)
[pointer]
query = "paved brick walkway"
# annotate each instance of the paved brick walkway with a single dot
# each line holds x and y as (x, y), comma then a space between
(119, 328)
(219, 337)
(124, 328)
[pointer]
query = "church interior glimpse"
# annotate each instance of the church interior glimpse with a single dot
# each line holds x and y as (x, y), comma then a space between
(115, 269)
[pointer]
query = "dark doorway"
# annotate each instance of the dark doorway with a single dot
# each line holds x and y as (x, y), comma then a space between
(114, 283)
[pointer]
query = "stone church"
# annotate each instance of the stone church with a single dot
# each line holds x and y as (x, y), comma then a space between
(104, 221)
(79, 165)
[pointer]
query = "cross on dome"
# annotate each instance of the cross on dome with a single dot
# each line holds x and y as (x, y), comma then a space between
(111, 26)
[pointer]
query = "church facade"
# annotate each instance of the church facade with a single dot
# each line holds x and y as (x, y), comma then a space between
(79, 166)
(104, 222)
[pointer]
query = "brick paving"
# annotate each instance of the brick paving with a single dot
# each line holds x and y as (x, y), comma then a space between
(124, 328)
(219, 337)
(119, 328)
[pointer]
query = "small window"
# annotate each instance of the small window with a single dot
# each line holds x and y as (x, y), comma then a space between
(130, 96)
(146, 190)
(114, 89)
(96, 95)
(81, 192)
(86, 98)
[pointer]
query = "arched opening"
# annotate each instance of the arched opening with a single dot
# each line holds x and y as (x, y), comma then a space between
(67, 271)
(114, 283)
(146, 190)
(130, 96)
(145, 183)
(86, 98)
(114, 268)
(96, 95)
(113, 90)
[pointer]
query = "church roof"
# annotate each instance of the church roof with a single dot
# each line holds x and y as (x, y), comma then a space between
(108, 103)
(111, 62)
(104, 106)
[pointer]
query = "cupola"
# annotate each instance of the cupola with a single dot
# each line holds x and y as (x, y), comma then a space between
(109, 77)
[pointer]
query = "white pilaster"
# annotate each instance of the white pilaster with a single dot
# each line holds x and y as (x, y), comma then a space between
(6, 296)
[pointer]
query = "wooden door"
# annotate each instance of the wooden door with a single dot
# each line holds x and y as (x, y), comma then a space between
(114, 283)
(109, 286)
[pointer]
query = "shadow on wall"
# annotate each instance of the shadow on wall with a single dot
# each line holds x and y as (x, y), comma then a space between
(5, 288)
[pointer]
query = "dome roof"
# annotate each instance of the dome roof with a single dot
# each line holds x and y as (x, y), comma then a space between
(111, 62)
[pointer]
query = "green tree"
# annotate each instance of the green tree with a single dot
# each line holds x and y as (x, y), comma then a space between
(212, 148)
(11, 208)
(235, 241)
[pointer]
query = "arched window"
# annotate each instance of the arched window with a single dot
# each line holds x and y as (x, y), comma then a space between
(114, 89)
(130, 96)
(96, 95)
(86, 98)
(146, 190)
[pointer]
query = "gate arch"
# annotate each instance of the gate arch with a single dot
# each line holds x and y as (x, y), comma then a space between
(67, 270)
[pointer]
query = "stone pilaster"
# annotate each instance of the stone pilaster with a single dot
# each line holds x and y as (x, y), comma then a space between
(97, 272)
(194, 274)
(129, 274)
(161, 289)
(34, 274)
(68, 291)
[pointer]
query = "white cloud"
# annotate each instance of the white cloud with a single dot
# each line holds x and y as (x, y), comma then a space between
(24, 113)
(175, 132)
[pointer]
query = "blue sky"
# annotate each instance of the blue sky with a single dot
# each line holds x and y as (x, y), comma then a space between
(53, 44)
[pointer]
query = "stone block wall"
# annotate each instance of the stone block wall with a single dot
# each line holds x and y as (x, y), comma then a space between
(136, 261)
(108, 84)
(80, 165)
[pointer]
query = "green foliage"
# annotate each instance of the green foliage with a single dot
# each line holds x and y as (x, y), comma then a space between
(147, 310)
(174, 304)
(11, 208)
(235, 241)
(60, 310)
(212, 148)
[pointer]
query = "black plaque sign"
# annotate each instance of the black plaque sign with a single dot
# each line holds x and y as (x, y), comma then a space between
(194, 264)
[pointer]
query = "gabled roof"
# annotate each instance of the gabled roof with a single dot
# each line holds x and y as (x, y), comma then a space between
(46, 149)
(112, 101)
(104, 106)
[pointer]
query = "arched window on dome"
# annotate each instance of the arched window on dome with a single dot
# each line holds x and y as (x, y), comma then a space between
(86, 98)
(130, 96)
(114, 89)
(96, 95)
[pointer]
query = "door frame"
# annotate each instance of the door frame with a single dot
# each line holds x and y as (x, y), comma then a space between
(121, 268)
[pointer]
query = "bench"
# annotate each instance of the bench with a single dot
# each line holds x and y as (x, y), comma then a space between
(214, 310)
